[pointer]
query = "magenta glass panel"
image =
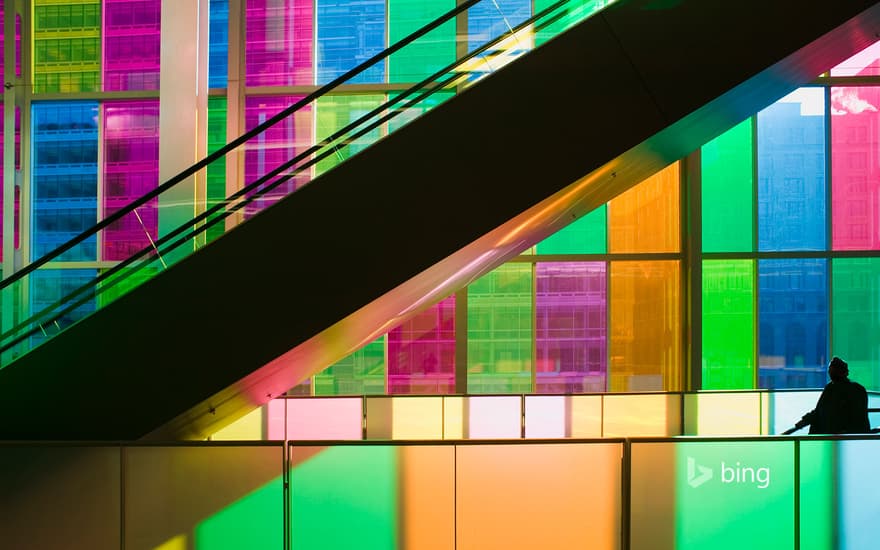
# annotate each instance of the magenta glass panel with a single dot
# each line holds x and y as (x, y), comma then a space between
(279, 49)
(855, 168)
(421, 352)
(277, 145)
(131, 39)
(571, 328)
(131, 168)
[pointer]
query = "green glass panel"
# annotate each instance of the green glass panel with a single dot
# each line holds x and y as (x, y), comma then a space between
(260, 511)
(126, 279)
(429, 53)
(573, 12)
(419, 107)
(344, 497)
(728, 324)
(587, 235)
(337, 112)
(361, 373)
(67, 46)
(818, 503)
(216, 176)
(855, 318)
(500, 319)
(728, 191)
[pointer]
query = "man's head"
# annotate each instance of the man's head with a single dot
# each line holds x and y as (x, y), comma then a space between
(838, 370)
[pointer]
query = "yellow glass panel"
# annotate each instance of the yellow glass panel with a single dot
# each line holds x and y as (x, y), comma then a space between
(404, 417)
(247, 428)
(645, 349)
(538, 496)
(453, 417)
(427, 497)
(722, 413)
(642, 415)
(646, 218)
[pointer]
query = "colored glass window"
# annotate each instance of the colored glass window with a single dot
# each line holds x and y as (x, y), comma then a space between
(421, 352)
(349, 33)
(131, 169)
(856, 317)
(410, 108)
(728, 190)
(792, 323)
(67, 46)
(428, 54)
(646, 218)
(864, 63)
(489, 20)
(16, 191)
(279, 49)
(570, 327)
(360, 373)
(728, 325)
(131, 44)
(499, 331)
(855, 168)
(218, 43)
(65, 176)
(216, 171)
(586, 235)
(47, 286)
(645, 350)
(335, 112)
(791, 172)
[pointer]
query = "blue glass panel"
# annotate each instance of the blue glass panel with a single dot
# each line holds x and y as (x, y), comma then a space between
(218, 43)
(65, 176)
(791, 172)
(349, 33)
(488, 20)
(793, 323)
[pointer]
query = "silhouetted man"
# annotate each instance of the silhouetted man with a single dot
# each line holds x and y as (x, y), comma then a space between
(842, 407)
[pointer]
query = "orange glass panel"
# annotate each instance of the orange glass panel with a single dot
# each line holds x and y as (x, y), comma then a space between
(645, 350)
(427, 513)
(646, 218)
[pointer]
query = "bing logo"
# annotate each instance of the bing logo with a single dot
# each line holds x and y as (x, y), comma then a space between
(698, 475)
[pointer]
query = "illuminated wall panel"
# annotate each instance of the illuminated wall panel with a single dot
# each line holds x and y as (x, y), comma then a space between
(856, 317)
(646, 218)
(60, 497)
(549, 416)
(421, 352)
(64, 153)
(712, 495)
(645, 348)
(131, 44)
(360, 373)
(728, 324)
(335, 112)
(215, 497)
(793, 323)
(218, 43)
(349, 33)
(338, 418)
(500, 318)
(727, 191)
(710, 414)
(855, 169)
(67, 46)
(586, 235)
(404, 417)
(428, 54)
(131, 169)
(571, 327)
(791, 172)
(641, 415)
(534, 496)
(278, 47)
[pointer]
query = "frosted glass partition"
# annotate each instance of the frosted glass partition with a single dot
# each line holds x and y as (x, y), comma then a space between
(490, 417)
(60, 497)
(722, 413)
(376, 496)
(576, 416)
(404, 417)
(781, 410)
(712, 494)
(323, 418)
(641, 415)
(251, 427)
(538, 496)
(203, 497)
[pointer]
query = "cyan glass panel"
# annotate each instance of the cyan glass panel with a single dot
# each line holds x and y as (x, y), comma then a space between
(586, 235)
(490, 19)
(792, 323)
(791, 172)
(349, 33)
(218, 43)
(429, 53)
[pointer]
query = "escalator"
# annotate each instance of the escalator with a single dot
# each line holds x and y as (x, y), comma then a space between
(513, 158)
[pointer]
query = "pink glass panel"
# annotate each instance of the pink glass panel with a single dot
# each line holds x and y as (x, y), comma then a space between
(277, 145)
(421, 352)
(131, 36)
(864, 63)
(855, 168)
(131, 168)
(570, 325)
(279, 43)
(322, 418)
